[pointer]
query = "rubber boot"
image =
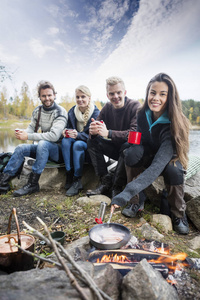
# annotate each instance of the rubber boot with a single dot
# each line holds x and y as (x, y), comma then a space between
(103, 188)
(31, 187)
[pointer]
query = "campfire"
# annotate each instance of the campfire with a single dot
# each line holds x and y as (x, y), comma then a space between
(124, 260)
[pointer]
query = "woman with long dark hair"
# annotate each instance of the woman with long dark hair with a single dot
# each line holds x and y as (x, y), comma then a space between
(163, 151)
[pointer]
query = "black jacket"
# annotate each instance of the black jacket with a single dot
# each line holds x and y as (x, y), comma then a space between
(158, 143)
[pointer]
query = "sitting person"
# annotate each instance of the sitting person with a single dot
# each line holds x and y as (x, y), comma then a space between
(108, 134)
(163, 151)
(52, 119)
(74, 143)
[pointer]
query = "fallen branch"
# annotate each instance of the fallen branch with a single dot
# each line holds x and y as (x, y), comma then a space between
(84, 276)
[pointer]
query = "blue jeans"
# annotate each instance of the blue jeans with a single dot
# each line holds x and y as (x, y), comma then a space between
(42, 152)
(74, 153)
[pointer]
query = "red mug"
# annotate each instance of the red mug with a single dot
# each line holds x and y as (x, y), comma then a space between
(66, 133)
(134, 137)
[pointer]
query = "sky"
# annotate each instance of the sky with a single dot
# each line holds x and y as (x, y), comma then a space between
(74, 42)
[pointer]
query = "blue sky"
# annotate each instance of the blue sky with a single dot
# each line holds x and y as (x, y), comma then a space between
(73, 42)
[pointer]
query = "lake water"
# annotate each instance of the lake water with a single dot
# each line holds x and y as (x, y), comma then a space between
(8, 142)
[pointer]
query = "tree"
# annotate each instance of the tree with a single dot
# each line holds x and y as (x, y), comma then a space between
(3, 102)
(4, 73)
(26, 106)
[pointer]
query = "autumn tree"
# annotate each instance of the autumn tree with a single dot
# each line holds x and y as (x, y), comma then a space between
(67, 102)
(3, 103)
(26, 105)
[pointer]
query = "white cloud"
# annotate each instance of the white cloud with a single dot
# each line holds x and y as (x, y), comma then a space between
(155, 32)
(101, 23)
(38, 49)
(53, 31)
(7, 58)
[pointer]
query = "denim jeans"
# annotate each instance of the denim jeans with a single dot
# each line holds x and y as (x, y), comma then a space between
(42, 152)
(74, 155)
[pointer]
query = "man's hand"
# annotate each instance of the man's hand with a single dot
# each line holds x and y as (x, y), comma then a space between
(21, 135)
(98, 127)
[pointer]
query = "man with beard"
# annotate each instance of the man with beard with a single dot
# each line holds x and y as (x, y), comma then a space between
(108, 133)
(51, 119)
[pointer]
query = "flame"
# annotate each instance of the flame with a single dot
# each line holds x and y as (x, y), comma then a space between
(114, 258)
(170, 261)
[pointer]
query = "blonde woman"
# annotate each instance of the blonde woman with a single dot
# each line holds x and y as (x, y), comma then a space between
(74, 143)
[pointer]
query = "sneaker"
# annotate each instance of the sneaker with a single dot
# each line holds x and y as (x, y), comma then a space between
(75, 188)
(131, 209)
(180, 224)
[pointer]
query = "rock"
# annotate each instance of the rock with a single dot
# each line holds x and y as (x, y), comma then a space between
(94, 200)
(164, 221)
(195, 243)
(79, 249)
(51, 284)
(150, 233)
(144, 283)
(55, 178)
(193, 211)
(192, 187)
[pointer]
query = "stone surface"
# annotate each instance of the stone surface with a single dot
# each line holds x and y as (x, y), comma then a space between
(94, 200)
(144, 283)
(193, 211)
(164, 221)
(150, 232)
(195, 243)
(51, 284)
(192, 187)
(55, 178)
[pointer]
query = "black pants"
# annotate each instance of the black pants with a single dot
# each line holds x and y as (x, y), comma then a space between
(97, 148)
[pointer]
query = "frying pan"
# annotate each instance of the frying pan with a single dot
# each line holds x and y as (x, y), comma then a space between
(109, 236)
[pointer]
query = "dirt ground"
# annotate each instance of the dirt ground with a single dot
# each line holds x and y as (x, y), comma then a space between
(62, 213)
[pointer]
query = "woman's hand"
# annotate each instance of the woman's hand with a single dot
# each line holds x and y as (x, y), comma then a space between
(64, 134)
(113, 208)
(72, 133)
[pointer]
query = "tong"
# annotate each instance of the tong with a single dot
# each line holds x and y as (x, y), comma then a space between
(110, 218)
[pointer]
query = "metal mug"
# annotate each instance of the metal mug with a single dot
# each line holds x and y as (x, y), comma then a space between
(102, 210)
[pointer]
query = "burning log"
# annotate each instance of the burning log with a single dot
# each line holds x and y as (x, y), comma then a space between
(126, 259)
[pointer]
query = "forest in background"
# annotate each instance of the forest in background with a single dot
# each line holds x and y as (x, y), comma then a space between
(22, 104)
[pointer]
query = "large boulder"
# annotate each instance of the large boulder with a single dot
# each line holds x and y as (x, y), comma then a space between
(193, 211)
(144, 283)
(51, 284)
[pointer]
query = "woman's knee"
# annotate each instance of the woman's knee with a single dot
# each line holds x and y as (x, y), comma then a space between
(174, 174)
(79, 146)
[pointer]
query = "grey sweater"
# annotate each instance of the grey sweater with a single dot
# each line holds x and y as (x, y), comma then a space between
(52, 122)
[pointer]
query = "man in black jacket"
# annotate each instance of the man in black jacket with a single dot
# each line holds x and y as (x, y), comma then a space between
(108, 133)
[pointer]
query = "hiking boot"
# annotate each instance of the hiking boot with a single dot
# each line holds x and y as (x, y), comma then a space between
(4, 182)
(75, 188)
(103, 188)
(31, 187)
(180, 225)
(69, 179)
(131, 209)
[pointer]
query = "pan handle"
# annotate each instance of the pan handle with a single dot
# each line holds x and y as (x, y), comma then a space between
(17, 224)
